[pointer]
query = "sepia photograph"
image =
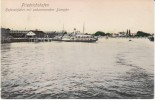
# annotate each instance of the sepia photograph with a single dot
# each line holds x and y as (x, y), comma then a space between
(77, 49)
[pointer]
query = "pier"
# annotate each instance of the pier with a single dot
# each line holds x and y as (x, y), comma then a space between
(31, 39)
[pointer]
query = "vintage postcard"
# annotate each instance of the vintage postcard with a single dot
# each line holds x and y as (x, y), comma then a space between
(77, 49)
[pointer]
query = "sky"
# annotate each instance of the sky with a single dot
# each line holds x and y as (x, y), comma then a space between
(94, 15)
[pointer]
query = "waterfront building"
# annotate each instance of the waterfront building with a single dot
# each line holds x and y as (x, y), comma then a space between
(27, 33)
(30, 34)
(38, 34)
(115, 35)
(59, 33)
(18, 33)
(5, 35)
(50, 34)
(122, 34)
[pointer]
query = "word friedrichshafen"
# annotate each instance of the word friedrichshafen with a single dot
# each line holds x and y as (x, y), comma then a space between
(35, 5)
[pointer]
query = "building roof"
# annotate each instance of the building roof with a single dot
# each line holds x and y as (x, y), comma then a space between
(30, 33)
(37, 32)
(18, 31)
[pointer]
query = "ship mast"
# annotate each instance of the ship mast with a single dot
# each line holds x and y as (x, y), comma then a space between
(83, 28)
(63, 28)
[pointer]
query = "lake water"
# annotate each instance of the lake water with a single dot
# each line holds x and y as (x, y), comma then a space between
(109, 68)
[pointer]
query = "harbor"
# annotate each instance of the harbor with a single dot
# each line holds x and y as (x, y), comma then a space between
(9, 36)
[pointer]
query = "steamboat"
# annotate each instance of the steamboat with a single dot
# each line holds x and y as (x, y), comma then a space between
(75, 36)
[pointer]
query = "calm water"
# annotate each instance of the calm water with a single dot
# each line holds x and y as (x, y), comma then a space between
(109, 68)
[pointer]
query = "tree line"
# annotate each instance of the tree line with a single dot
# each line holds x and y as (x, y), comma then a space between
(128, 34)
